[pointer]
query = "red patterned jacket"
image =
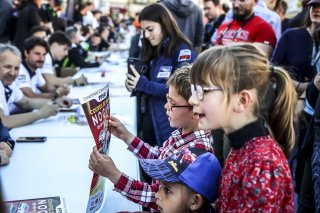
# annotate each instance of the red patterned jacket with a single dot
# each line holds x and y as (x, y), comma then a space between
(256, 176)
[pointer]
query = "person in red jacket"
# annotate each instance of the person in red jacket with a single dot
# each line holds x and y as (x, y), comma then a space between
(235, 88)
(246, 27)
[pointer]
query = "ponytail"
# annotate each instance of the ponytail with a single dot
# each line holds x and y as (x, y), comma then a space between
(281, 112)
(243, 66)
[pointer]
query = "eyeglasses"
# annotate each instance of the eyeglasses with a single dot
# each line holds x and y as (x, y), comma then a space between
(170, 106)
(200, 90)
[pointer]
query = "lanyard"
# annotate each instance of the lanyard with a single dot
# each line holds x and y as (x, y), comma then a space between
(317, 57)
(7, 92)
(237, 32)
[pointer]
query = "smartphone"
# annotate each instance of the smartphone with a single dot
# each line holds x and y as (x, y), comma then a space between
(31, 139)
(141, 67)
(67, 110)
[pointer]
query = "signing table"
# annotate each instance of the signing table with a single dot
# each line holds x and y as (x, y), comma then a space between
(59, 167)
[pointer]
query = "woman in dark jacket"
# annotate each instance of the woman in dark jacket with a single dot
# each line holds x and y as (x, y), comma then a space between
(299, 58)
(164, 48)
(315, 161)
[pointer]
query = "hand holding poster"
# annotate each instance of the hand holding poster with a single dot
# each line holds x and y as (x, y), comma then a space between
(96, 107)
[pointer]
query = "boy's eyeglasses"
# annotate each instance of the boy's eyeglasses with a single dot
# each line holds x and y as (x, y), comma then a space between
(199, 90)
(170, 106)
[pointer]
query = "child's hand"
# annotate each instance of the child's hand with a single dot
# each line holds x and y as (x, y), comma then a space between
(103, 165)
(120, 131)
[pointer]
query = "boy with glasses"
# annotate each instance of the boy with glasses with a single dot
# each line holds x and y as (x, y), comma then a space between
(187, 135)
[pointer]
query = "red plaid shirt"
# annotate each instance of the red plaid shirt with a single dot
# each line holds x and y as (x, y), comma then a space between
(144, 193)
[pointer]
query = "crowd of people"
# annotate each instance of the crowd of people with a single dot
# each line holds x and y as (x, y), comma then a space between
(227, 103)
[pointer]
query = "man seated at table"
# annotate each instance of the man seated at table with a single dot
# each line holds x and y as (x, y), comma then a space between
(77, 56)
(11, 96)
(6, 145)
(96, 43)
(30, 79)
(59, 45)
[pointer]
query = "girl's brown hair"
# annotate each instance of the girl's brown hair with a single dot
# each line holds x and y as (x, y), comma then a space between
(241, 66)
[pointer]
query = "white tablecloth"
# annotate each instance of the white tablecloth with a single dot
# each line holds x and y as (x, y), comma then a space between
(59, 166)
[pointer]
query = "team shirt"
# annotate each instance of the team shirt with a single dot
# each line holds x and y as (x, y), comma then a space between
(9, 105)
(48, 65)
(27, 78)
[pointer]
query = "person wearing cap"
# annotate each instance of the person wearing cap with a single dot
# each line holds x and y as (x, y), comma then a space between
(188, 134)
(299, 19)
(189, 180)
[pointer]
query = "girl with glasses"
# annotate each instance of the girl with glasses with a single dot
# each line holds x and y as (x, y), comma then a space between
(238, 90)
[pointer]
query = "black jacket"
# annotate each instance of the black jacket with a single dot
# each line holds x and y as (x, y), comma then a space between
(28, 17)
(77, 56)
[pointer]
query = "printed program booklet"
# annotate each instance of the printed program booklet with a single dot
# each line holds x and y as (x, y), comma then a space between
(96, 107)
(37, 205)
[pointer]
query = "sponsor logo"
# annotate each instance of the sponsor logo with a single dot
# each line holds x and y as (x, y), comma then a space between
(184, 55)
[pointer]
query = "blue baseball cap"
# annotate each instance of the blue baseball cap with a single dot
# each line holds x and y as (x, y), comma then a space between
(197, 168)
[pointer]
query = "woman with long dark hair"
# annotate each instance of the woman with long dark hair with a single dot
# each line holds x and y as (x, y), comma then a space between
(164, 49)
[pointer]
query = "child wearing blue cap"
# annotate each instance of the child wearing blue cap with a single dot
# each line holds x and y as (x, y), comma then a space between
(188, 134)
(189, 180)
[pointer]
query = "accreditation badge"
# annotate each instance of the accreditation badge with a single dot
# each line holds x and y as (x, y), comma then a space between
(164, 72)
